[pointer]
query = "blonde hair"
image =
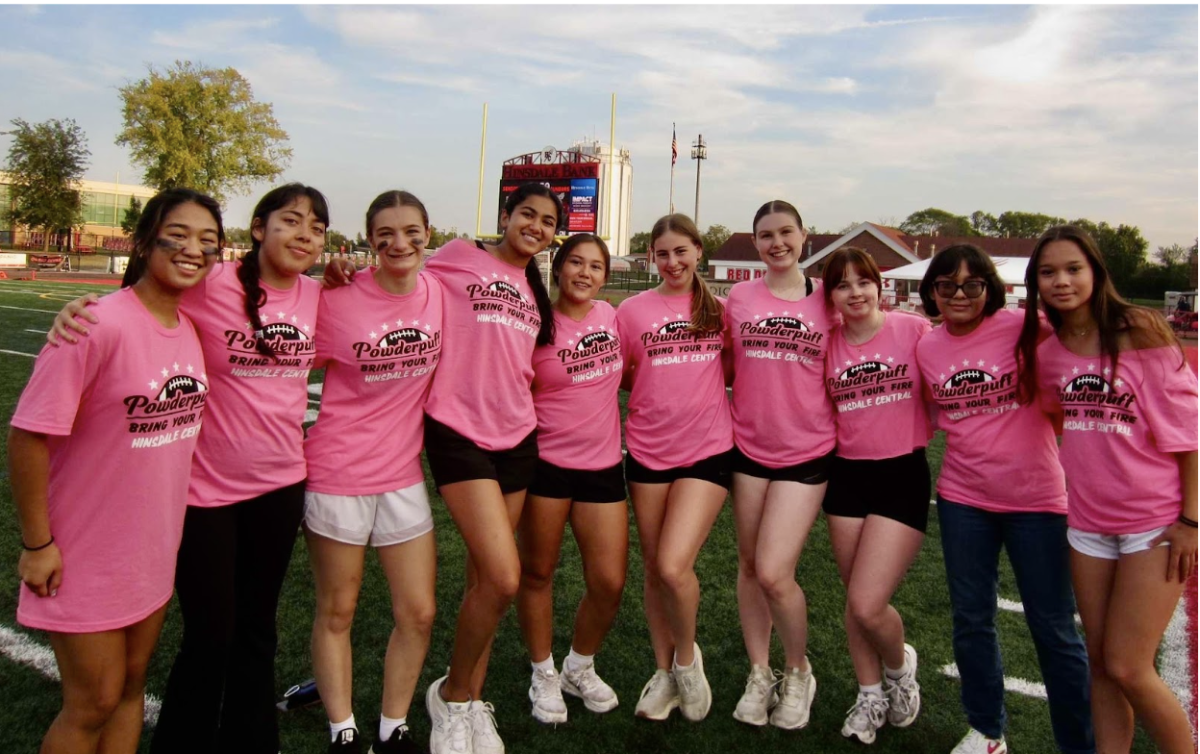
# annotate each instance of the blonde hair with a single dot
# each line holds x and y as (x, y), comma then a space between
(708, 316)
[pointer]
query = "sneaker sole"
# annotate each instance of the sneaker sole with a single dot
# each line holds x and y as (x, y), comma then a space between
(660, 716)
(756, 722)
(547, 718)
(600, 707)
(860, 737)
(812, 694)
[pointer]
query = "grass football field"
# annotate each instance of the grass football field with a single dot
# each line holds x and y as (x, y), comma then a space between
(29, 699)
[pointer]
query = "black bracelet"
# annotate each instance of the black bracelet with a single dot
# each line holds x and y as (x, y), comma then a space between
(35, 549)
(1187, 521)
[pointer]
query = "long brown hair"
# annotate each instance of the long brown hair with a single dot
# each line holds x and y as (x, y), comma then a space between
(1114, 315)
(708, 316)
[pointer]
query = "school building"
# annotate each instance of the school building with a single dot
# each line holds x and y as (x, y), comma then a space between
(104, 206)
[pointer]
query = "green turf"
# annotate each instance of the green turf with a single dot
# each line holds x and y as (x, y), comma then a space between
(28, 701)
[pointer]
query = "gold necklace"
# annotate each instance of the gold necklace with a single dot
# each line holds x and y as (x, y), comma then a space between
(1080, 333)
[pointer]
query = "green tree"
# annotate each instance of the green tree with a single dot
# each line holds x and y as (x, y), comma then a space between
(1024, 224)
(1171, 256)
(45, 164)
(937, 222)
(983, 223)
(132, 214)
(1191, 264)
(639, 243)
(238, 235)
(334, 240)
(201, 128)
(713, 239)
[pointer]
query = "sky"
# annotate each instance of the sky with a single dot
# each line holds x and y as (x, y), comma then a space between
(851, 113)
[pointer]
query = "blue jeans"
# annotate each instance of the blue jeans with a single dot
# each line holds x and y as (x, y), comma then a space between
(1037, 548)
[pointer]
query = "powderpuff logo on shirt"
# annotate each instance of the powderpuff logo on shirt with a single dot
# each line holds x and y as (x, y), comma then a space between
(971, 388)
(1091, 404)
(782, 337)
(591, 354)
(289, 338)
(872, 381)
(409, 350)
(497, 300)
(171, 411)
(673, 342)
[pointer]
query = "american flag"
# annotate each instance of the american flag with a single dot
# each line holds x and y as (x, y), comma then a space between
(674, 146)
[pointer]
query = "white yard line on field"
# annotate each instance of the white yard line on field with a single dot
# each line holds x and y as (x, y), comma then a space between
(26, 309)
(20, 648)
(1015, 685)
(19, 353)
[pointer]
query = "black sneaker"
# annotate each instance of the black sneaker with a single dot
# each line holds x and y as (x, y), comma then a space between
(347, 742)
(401, 742)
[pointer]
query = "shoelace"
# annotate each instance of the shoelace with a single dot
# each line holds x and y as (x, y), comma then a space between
(903, 701)
(545, 683)
(585, 679)
(791, 691)
(657, 686)
(868, 709)
(458, 729)
(487, 716)
(758, 687)
(687, 680)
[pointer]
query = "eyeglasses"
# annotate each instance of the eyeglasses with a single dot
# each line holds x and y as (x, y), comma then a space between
(949, 289)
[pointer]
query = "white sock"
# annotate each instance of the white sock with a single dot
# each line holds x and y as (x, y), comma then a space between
(875, 689)
(676, 665)
(575, 661)
(388, 725)
(546, 665)
(896, 674)
(336, 728)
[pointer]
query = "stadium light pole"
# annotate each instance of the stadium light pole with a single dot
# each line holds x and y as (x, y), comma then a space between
(699, 154)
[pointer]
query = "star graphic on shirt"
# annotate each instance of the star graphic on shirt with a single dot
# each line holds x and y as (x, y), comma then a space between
(891, 359)
(995, 368)
(399, 323)
(265, 318)
(281, 315)
(953, 367)
(1091, 367)
(372, 336)
(863, 357)
(879, 356)
(1063, 378)
(1119, 382)
(578, 335)
(979, 363)
(506, 277)
(153, 384)
(678, 316)
(190, 369)
(603, 328)
(756, 317)
(849, 362)
(165, 372)
(483, 278)
(811, 324)
(942, 376)
(249, 326)
(175, 366)
(966, 362)
(495, 276)
(416, 323)
(590, 328)
(384, 327)
(294, 320)
(571, 342)
(428, 328)
(306, 328)
(1074, 370)
(654, 325)
(203, 377)
(1106, 371)
(770, 314)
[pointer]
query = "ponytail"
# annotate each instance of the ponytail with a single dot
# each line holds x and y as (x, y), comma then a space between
(253, 296)
(533, 276)
(708, 316)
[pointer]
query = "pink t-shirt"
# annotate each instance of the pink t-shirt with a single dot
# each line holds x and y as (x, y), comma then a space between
(122, 410)
(678, 412)
(877, 390)
(253, 441)
(491, 323)
(1000, 456)
(379, 350)
(782, 415)
(575, 382)
(1119, 433)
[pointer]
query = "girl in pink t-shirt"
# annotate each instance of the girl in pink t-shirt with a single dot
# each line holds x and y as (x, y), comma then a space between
(1000, 486)
(679, 435)
(99, 454)
(1116, 378)
(784, 431)
(878, 498)
(578, 476)
(379, 340)
(256, 320)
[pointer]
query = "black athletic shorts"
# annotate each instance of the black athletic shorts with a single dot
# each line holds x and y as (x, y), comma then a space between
(715, 469)
(454, 458)
(580, 486)
(812, 472)
(895, 488)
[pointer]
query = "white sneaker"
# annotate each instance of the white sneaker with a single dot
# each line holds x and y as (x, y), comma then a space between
(795, 699)
(904, 693)
(659, 696)
(546, 694)
(585, 684)
(484, 737)
(977, 743)
(695, 695)
(450, 724)
(868, 715)
(759, 697)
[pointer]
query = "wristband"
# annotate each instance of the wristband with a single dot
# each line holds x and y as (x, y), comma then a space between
(41, 547)
(1187, 521)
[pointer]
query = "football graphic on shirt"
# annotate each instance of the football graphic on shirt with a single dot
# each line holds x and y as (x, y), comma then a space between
(180, 385)
(867, 367)
(407, 335)
(1093, 383)
(593, 339)
(969, 377)
(788, 322)
(675, 326)
(507, 289)
(283, 331)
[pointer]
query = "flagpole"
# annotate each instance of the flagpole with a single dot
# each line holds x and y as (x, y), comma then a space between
(671, 204)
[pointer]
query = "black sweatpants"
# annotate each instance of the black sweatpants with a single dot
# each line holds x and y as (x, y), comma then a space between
(232, 561)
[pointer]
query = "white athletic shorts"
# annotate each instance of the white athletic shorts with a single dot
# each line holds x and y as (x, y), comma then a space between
(388, 518)
(1111, 546)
